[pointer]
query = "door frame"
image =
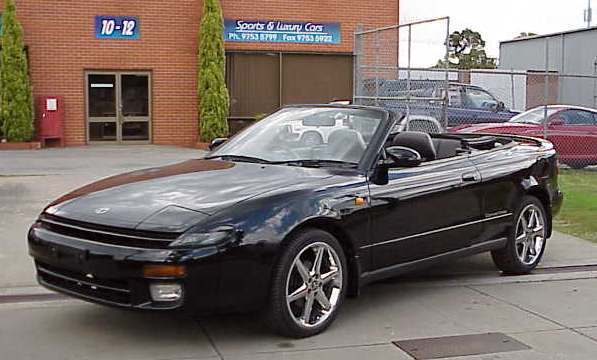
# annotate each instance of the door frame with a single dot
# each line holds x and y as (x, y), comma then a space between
(118, 94)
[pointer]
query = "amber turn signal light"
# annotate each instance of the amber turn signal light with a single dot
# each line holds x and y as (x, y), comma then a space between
(359, 201)
(164, 271)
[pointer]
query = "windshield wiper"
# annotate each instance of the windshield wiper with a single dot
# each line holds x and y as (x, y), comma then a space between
(239, 158)
(316, 163)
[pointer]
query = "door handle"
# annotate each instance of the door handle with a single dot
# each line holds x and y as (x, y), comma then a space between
(470, 177)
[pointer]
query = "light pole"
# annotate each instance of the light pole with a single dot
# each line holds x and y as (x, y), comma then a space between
(589, 15)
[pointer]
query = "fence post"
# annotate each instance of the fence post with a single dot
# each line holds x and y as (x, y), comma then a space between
(447, 76)
(408, 74)
(546, 88)
(377, 68)
(356, 86)
(512, 89)
(595, 84)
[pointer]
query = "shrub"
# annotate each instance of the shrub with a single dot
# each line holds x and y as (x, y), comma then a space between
(16, 101)
(212, 92)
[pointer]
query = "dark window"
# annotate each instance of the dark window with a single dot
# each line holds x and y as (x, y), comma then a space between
(135, 95)
(102, 131)
(102, 95)
(454, 96)
(135, 130)
(479, 99)
(253, 80)
(577, 117)
(315, 78)
(260, 83)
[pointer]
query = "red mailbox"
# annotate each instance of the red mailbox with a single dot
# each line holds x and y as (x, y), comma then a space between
(51, 119)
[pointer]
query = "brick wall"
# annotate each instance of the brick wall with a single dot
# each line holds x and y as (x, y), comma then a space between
(62, 46)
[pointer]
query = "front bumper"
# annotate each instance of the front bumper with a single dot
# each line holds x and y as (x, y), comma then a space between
(113, 275)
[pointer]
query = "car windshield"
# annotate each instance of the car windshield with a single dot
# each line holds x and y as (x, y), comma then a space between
(305, 136)
(534, 116)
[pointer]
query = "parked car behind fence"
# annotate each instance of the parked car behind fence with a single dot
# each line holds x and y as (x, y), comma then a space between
(572, 130)
(467, 104)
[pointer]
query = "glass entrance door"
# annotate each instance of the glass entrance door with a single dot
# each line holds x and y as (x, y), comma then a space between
(118, 107)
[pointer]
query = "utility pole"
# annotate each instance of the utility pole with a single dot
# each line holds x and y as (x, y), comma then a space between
(589, 15)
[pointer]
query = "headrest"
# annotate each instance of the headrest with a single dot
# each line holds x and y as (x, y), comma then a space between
(418, 141)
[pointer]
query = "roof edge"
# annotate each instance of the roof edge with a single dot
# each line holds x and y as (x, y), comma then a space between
(593, 28)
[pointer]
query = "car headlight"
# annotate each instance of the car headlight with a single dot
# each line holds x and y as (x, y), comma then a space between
(171, 218)
(204, 239)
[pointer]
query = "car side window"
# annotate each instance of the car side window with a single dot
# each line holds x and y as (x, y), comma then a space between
(479, 99)
(578, 117)
(455, 96)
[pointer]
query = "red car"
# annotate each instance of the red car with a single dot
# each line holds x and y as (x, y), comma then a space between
(572, 130)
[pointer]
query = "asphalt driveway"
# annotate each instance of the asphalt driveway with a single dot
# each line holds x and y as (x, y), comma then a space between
(552, 313)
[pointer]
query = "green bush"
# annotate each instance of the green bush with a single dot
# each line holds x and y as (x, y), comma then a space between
(212, 92)
(16, 101)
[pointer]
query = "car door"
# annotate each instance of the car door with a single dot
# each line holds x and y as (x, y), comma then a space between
(574, 134)
(457, 113)
(424, 211)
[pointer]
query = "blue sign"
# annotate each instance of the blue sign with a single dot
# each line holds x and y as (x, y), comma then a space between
(273, 31)
(116, 27)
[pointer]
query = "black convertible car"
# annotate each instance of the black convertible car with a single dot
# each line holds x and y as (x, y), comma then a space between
(268, 222)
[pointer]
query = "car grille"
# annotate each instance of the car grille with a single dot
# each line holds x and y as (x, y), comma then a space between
(110, 291)
(107, 235)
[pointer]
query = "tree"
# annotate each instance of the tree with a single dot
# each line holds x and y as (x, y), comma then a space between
(525, 35)
(466, 50)
(212, 92)
(16, 100)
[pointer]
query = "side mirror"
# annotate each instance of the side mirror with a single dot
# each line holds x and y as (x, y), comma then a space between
(404, 157)
(380, 175)
(556, 122)
(216, 142)
(500, 106)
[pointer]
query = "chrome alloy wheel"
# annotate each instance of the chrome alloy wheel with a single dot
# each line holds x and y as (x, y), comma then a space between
(530, 234)
(314, 285)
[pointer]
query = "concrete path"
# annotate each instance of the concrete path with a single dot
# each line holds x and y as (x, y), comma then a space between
(553, 312)
(555, 319)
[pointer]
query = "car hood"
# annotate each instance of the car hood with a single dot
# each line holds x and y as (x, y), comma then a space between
(508, 127)
(175, 197)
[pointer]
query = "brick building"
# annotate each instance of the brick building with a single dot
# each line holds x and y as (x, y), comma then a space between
(126, 70)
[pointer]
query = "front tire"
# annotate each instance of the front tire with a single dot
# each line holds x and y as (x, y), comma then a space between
(527, 240)
(308, 286)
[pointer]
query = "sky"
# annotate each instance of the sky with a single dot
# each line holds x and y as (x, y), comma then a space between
(496, 20)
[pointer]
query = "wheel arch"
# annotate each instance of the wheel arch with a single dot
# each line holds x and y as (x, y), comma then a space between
(333, 227)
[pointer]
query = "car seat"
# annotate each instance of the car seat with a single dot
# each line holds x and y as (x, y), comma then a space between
(418, 141)
(346, 145)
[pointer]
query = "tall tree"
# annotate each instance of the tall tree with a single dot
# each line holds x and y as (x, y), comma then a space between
(466, 50)
(16, 101)
(213, 95)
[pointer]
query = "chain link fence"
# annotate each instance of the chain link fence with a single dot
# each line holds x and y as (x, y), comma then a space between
(397, 68)
(385, 74)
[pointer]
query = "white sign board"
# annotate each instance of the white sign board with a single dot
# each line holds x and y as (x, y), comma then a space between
(51, 104)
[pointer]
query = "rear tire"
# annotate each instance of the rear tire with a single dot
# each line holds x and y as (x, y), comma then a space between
(309, 285)
(527, 239)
